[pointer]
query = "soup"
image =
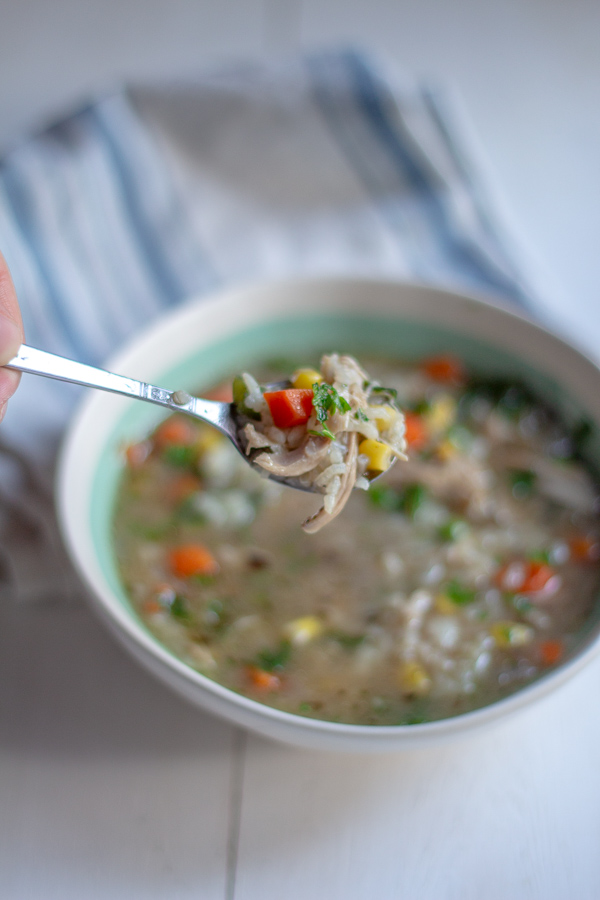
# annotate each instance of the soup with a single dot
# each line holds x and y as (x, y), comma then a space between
(458, 577)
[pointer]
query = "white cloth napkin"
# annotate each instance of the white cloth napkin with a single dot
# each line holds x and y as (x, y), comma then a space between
(152, 195)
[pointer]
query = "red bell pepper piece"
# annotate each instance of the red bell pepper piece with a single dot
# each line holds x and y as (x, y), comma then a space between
(291, 407)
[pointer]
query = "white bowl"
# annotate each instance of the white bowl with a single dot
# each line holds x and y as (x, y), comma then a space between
(208, 338)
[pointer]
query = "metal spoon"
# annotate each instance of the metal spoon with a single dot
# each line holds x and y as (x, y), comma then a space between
(222, 416)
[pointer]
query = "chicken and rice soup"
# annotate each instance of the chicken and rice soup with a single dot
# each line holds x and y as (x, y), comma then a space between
(459, 576)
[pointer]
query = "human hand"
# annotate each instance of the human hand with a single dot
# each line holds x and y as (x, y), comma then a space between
(11, 335)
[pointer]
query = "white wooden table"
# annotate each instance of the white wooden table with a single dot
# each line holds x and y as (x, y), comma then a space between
(112, 787)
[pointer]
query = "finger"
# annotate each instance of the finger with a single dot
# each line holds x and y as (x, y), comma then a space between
(11, 325)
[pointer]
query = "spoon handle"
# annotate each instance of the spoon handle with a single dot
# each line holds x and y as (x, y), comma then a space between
(40, 362)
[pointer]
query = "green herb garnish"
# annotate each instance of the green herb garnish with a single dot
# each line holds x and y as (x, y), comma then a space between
(347, 641)
(384, 497)
(460, 595)
(581, 434)
(269, 660)
(412, 498)
(406, 501)
(361, 416)
(179, 608)
(453, 530)
(327, 401)
(522, 483)
(180, 455)
(325, 433)
(389, 393)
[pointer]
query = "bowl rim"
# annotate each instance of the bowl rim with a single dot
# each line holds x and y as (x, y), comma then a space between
(151, 653)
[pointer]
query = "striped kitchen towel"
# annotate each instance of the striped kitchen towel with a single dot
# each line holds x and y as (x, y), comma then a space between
(152, 195)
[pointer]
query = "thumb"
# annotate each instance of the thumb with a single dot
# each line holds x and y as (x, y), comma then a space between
(11, 334)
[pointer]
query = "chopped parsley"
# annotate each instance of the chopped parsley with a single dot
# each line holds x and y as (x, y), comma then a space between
(180, 455)
(522, 483)
(347, 641)
(453, 530)
(387, 393)
(179, 608)
(460, 595)
(406, 501)
(327, 401)
(271, 660)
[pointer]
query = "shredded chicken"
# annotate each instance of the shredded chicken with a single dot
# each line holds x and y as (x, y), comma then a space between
(329, 455)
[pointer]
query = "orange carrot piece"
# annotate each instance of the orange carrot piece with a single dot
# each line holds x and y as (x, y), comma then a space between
(150, 607)
(137, 454)
(537, 576)
(415, 431)
(444, 368)
(182, 487)
(174, 431)
(523, 577)
(551, 651)
(261, 680)
(584, 549)
(222, 392)
(192, 559)
(291, 407)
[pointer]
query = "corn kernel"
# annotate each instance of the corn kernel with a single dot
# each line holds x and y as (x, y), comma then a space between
(303, 379)
(384, 416)
(441, 414)
(303, 630)
(208, 439)
(511, 634)
(444, 605)
(378, 454)
(414, 679)
(446, 450)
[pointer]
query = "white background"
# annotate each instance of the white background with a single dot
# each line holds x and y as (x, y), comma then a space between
(110, 786)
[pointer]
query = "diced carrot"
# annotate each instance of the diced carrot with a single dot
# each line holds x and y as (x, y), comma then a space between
(584, 549)
(524, 577)
(415, 431)
(151, 607)
(444, 368)
(192, 559)
(511, 576)
(175, 430)
(222, 392)
(261, 680)
(137, 454)
(537, 576)
(551, 651)
(181, 488)
(291, 407)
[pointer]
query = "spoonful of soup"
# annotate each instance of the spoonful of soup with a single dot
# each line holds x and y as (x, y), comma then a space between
(325, 431)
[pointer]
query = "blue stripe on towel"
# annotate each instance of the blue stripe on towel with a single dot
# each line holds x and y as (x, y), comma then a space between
(167, 280)
(22, 205)
(374, 100)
